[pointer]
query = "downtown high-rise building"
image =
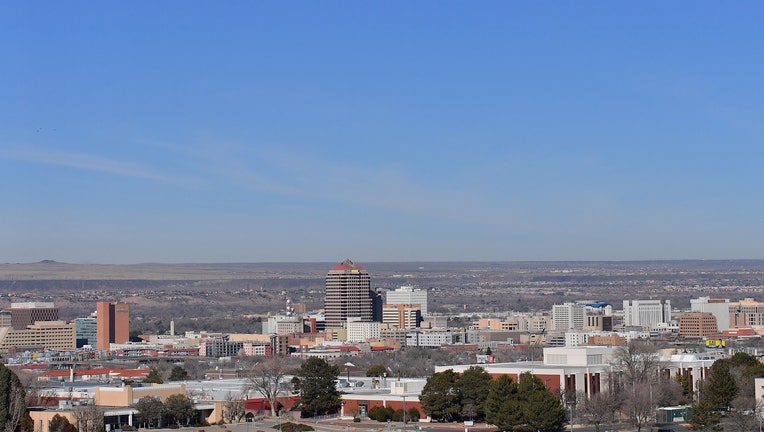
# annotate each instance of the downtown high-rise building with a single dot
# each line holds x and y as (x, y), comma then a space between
(112, 324)
(568, 316)
(348, 294)
(408, 295)
(26, 314)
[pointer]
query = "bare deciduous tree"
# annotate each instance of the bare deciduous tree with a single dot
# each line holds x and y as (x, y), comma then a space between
(599, 409)
(638, 362)
(233, 408)
(638, 405)
(744, 415)
(89, 418)
(16, 408)
(268, 378)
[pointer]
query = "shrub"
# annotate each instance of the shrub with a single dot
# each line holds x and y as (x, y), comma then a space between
(412, 414)
(381, 414)
(398, 415)
(293, 427)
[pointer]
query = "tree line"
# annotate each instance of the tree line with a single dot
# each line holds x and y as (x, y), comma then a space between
(525, 404)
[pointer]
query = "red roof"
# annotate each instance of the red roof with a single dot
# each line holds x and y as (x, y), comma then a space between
(382, 348)
(349, 348)
(91, 372)
(347, 265)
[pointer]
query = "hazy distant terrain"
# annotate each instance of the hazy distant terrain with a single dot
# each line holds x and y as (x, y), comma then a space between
(230, 297)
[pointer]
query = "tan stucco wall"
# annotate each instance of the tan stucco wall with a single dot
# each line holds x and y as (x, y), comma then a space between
(42, 418)
(127, 395)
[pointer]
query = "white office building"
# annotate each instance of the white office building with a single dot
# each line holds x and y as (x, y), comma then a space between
(568, 316)
(282, 325)
(720, 308)
(408, 295)
(646, 313)
(359, 331)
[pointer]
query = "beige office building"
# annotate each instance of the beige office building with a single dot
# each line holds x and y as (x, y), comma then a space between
(746, 313)
(42, 334)
(402, 315)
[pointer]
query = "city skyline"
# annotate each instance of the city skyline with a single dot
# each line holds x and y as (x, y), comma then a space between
(384, 132)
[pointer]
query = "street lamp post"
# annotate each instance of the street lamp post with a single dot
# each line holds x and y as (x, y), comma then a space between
(404, 413)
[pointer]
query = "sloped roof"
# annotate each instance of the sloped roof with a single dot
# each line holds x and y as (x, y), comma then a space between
(347, 265)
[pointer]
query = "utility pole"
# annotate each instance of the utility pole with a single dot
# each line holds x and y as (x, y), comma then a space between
(404, 413)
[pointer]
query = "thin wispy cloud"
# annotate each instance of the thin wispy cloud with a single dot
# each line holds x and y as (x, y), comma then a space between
(382, 187)
(96, 163)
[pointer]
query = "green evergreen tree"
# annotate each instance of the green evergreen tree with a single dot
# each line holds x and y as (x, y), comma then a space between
(153, 377)
(316, 383)
(544, 412)
(511, 415)
(440, 397)
(12, 405)
(178, 409)
(474, 385)
(721, 388)
(684, 381)
(376, 371)
(27, 424)
(500, 391)
(704, 417)
(149, 410)
(178, 373)
(527, 402)
(60, 423)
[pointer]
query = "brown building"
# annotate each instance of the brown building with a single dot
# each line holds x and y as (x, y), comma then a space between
(698, 324)
(112, 324)
(348, 294)
(610, 340)
(26, 314)
(599, 323)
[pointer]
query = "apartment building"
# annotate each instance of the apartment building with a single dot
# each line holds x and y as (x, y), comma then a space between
(568, 316)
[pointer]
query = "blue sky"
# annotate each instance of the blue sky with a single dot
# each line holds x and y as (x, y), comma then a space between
(380, 131)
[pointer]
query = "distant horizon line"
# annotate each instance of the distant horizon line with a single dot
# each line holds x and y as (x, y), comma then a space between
(657, 260)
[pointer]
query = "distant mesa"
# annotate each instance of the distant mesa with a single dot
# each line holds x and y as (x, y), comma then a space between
(48, 262)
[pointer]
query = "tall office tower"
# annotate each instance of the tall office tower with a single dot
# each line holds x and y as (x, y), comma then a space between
(568, 316)
(376, 305)
(646, 313)
(113, 323)
(86, 330)
(720, 308)
(406, 295)
(348, 294)
(26, 314)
